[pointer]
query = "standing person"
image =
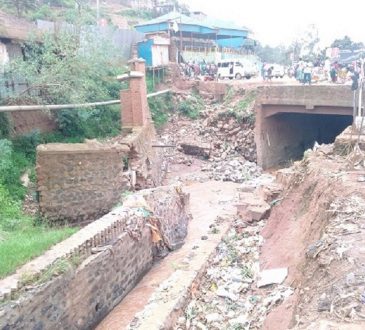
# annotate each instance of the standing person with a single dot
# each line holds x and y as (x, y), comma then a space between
(269, 73)
(333, 74)
(355, 79)
(307, 75)
(263, 71)
(327, 69)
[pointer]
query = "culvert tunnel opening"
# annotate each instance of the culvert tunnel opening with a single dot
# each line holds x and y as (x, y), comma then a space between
(289, 135)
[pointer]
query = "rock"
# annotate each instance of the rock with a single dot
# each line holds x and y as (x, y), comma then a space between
(272, 276)
(259, 212)
(324, 304)
(181, 320)
(238, 321)
(252, 208)
(226, 294)
(196, 149)
(214, 317)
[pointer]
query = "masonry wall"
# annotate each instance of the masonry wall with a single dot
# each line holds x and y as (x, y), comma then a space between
(78, 182)
(114, 251)
(143, 159)
(23, 122)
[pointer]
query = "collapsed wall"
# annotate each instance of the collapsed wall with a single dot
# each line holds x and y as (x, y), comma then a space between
(78, 281)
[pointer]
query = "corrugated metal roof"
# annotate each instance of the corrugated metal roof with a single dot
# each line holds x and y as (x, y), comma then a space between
(208, 22)
(177, 17)
(217, 23)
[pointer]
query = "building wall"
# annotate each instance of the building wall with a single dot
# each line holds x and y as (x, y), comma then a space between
(160, 55)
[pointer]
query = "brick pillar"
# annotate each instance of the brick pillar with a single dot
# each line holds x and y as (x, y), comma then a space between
(135, 111)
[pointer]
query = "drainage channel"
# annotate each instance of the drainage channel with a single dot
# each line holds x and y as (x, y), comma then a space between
(158, 298)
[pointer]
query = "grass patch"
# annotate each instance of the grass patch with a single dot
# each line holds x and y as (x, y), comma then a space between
(22, 245)
(160, 107)
(21, 237)
(242, 110)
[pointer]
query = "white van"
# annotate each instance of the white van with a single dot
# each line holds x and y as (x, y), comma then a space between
(233, 69)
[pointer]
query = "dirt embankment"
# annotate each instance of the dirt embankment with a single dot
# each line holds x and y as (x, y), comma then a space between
(317, 231)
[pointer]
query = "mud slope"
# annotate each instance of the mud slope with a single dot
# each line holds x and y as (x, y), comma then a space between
(318, 230)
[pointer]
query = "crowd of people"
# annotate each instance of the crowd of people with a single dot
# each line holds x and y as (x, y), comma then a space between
(304, 72)
(194, 69)
(326, 71)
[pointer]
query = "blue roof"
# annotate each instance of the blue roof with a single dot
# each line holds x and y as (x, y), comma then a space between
(175, 17)
(210, 23)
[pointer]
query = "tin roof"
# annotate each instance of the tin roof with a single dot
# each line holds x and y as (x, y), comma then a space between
(210, 23)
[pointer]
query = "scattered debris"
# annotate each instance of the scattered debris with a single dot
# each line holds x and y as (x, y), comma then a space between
(228, 298)
(272, 276)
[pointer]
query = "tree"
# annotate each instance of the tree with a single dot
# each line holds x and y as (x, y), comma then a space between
(347, 44)
(65, 68)
(278, 54)
(20, 6)
(309, 42)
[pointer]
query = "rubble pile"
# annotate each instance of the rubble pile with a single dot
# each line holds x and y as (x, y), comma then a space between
(229, 136)
(237, 170)
(229, 298)
(219, 137)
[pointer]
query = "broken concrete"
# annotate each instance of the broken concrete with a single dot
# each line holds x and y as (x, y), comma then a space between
(252, 207)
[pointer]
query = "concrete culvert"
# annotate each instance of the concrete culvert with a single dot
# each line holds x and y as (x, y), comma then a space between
(291, 134)
(290, 119)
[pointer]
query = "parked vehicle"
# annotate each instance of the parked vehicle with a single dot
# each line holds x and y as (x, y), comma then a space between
(278, 71)
(234, 69)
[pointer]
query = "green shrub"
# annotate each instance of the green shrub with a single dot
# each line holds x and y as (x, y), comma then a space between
(91, 123)
(191, 107)
(92, 63)
(242, 110)
(10, 211)
(160, 107)
(27, 144)
(4, 125)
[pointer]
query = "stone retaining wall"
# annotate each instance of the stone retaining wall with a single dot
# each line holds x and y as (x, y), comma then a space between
(100, 272)
(79, 182)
